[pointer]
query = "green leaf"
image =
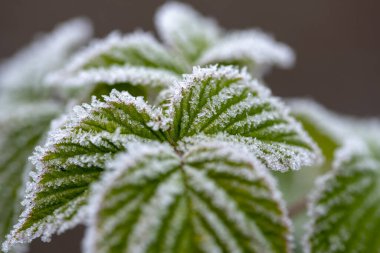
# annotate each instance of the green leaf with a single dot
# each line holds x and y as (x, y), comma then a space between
(344, 210)
(184, 29)
(344, 201)
(122, 62)
(138, 81)
(227, 104)
(19, 133)
(211, 104)
(21, 77)
(328, 129)
(26, 109)
(138, 49)
(253, 49)
(212, 198)
(202, 42)
(74, 156)
(137, 76)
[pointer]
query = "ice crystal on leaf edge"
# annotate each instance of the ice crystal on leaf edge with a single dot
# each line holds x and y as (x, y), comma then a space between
(347, 195)
(87, 127)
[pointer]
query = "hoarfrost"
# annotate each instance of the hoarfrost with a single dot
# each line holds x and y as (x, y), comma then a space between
(145, 76)
(276, 154)
(253, 45)
(46, 53)
(135, 167)
(183, 28)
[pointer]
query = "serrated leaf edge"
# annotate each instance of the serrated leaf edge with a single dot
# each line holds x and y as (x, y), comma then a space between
(235, 151)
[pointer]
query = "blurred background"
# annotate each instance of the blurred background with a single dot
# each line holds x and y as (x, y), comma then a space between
(337, 45)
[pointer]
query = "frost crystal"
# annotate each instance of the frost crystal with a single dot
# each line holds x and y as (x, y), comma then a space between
(226, 103)
(202, 42)
(50, 50)
(139, 59)
(186, 30)
(344, 198)
(19, 133)
(144, 76)
(254, 47)
(74, 156)
(189, 194)
(332, 124)
(190, 172)
(27, 109)
(137, 49)
(347, 196)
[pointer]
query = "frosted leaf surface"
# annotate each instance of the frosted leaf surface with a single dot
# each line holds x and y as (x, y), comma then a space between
(186, 30)
(26, 109)
(369, 131)
(212, 198)
(136, 63)
(74, 156)
(344, 208)
(328, 129)
(25, 71)
(227, 104)
(331, 130)
(251, 48)
(19, 133)
(344, 205)
(138, 49)
(138, 76)
(210, 104)
(202, 42)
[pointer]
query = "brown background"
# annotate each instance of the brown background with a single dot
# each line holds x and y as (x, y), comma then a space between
(337, 45)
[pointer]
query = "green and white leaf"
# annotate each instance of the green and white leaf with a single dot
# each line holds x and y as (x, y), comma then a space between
(328, 129)
(227, 104)
(135, 50)
(138, 81)
(212, 198)
(186, 30)
(138, 76)
(344, 209)
(26, 109)
(253, 49)
(74, 156)
(210, 104)
(21, 76)
(19, 133)
(136, 63)
(202, 42)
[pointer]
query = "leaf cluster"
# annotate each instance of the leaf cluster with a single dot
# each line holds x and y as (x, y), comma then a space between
(178, 146)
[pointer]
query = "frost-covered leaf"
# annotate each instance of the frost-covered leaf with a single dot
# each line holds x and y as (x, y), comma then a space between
(136, 62)
(22, 75)
(184, 29)
(19, 133)
(212, 198)
(202, 42)
(138, 81)
(74, 156)
(253, 49)
(345, 210)
(226, 103)
(328, 129)
(138, 76)
(26, 109)
(136, 50)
